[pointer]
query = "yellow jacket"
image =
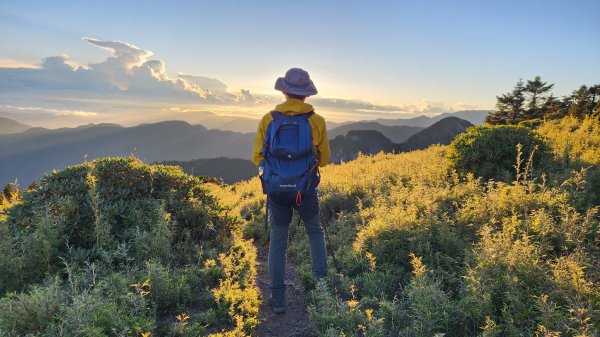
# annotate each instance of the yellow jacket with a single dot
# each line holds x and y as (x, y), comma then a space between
(295, 107)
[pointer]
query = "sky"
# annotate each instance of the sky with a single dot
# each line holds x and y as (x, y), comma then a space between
(369, 59)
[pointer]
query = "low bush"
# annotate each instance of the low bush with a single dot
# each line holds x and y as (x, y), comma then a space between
(492, 152)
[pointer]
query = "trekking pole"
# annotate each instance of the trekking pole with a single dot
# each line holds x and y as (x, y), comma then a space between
(329, 242)
(267, 215)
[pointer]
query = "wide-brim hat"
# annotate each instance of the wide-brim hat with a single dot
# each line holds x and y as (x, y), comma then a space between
(297, 82)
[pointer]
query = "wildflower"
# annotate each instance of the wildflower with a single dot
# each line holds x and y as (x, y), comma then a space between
(417, 264)
(369, 313)
(182, 317)
(146, 334)
(362, 328)
(352, 304)
(146, 284)
(210, 263)
(372, 261)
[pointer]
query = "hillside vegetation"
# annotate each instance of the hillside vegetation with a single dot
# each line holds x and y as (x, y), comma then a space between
(115, 247)
(424, 250)
(426, 243)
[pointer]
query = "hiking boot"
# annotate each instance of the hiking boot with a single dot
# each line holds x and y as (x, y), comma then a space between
(278, 307)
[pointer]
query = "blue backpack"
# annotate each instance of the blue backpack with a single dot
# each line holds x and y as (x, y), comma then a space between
(290, 158)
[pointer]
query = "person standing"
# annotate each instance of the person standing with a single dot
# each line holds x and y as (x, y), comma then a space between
(275, 153)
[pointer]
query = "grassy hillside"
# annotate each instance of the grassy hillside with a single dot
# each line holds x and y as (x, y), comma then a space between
(116, 247)
(423, 251)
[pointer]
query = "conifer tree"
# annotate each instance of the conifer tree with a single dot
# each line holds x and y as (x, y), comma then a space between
(555, 108)
(536, 91)
(509, 107)
(595, 98)
(579, 102)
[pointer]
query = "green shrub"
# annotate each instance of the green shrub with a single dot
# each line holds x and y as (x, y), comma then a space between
(491, 152)
(117, 247)
(32, 312)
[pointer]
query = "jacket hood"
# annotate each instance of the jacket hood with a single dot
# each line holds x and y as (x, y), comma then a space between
(293, 107)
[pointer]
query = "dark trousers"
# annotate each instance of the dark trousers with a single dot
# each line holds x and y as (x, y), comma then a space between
(281, 207)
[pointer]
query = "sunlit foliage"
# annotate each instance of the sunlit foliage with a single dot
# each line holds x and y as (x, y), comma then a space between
(424, 250)
(116, 247)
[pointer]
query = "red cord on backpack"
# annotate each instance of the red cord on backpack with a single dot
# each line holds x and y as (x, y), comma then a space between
(298, 194)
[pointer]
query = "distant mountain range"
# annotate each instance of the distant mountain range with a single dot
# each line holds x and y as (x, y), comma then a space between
(30, 154)
(396, 134)
(10, 126)
(442, 132)
(475, 117)
(211, 120)
(346, 148)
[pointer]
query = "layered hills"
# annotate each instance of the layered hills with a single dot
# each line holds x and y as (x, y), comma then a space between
(345, 148)
(28, 155)
(10, 126)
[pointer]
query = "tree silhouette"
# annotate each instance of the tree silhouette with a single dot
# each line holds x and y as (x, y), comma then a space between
(536, 90)
(509, 107)
(531, 103)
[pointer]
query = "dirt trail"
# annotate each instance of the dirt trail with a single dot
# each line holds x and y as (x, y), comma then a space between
(294, 323)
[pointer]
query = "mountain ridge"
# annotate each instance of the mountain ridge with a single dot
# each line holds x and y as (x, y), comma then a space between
(345, 148)
(396, 133)
(28, 157)
(442, 132)
(29, 154)
(10, 126)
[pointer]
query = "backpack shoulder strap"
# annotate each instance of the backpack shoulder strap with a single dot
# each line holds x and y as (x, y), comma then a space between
(306, 132)
(307, 115)
(276, 115)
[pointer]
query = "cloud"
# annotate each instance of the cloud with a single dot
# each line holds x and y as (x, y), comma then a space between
(434, 108)
(354, 105)
(6, 62)
(212, 84)
(131, 79)
(55, 112)
(127, 73)
(124, 54)
(118, 69)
